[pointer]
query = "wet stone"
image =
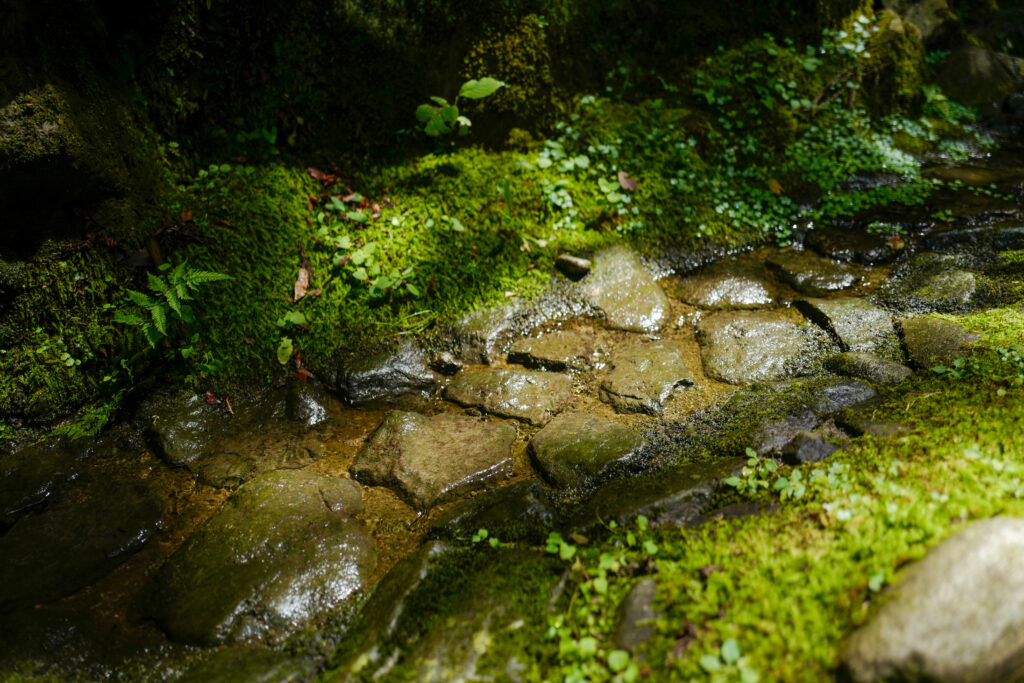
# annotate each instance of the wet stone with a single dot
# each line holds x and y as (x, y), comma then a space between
(431, 459)
(807, 447)
(76, 541)
(306, 402)
(180, 426)
(813, 275)
(720, 289)
(528, 395)
(850, 244)
(35, 475)
(520, 511)
(856, 323)
(404, 370)
(249, 665)
(246, 454)
(644, 376)
(930, 341)
(930, 282)
(628, 296)
(956, 615)
(636, 615)
(573, 266)
(284, 549)
(868, 367)
(52, 642)
(755, 346)
(553, 351)
(860, 424)
(484, 335)
(576, 447)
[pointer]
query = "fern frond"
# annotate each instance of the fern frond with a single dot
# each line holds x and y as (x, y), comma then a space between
(152, 335)
(128, 318)
(157, 283)
(140, 299)
(159, 314)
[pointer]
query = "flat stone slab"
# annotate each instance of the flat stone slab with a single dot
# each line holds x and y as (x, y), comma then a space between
(807, 447)
(553, 351)
(520, 511)
(528, 395)
(644, 376)
(956, 615)
(628, 296)
(868, 367)
(931, 282)
(386, 374)
(576, 447)
(813, 275)
(430, 459)
(756, 346)
(851, 244)
(484, 335)
(930, 340)
(283, 549)
(857, 324)
(720, 289)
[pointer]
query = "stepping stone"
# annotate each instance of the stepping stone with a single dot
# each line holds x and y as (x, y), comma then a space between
(628, 296)
(931, 282)
(644, 376)
(36, 475)
(851, 244)
(576, 447)
(406, 369)
(930, 341)
(249, 663)
(431, 459)
(281, 551)
(307, 402)
(807, 447)
(813, 275)
(868, 367)
(573, 266)
(484, 335)
(956, 615)
(857, 324)
(720, 289)
(756, 346)
(635, 618)
(520, 511)
(76, 542)
(553, 351)
(527, 395)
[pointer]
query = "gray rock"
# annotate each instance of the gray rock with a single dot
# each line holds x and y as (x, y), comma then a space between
(573, 266)
(956, 615)
(933, 18)
(484, 335)
(528, 395)
(722, 289)
(520, 511)
(431, 459)
(387, 374)
(980, 78)
(930, 341)
(35, 475)
(553, 351)
(807, 447)
(307, 402)
(626, 293)
(76, 542)
(248, 664)
(860, 424)
(575, 447)
(53, 642)
(813, 275)
(851, 245)
(644, 376)
(855, 323)
(945, 291)
(930, 282)
(180, 426)
(755, 346)
(284, 549)
(672, 497)
(240, 455)
(636, 615)
(868, 367)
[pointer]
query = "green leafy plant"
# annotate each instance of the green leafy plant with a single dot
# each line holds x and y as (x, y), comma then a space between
(169, 291)
(729, 662)
(443, 118)
(756, 475)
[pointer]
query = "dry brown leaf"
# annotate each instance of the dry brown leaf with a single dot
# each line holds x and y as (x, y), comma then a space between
(626, 183)
(301, 283)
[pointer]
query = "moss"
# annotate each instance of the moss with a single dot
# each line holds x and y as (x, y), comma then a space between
(998, 326)
(892, 76)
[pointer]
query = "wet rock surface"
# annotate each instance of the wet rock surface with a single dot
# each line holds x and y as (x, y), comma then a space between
(35, 475)
(628, 296)
(180, 426)
(636, 615)
(484, 335)
(575, 447)
(573, 266)
(808, 447)
(527, 395)
(77, 541)
(857, 324)
(739, 348)
(406, 369)
(868, 367)
(250, 665)
(931, 282)
(930, 340)
(553, 351)
(281, 551)
(643, 377)
(428, 459)
(813, 275)
(523, 510)
(849, 244)
(955, 615)
(723, 289)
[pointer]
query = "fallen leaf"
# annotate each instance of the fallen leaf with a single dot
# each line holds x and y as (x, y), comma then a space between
(774, 186)
(186, 216)
(298, 359)
(710, 569)
(626, 183)
(248, 341)
(896, 242)
(231, 410)
(318, 174)
(301, 283)
(314, 292)
(210, 397)
(302, 374)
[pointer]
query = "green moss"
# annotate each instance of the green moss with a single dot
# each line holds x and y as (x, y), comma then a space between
(893, 73)
(998, 326)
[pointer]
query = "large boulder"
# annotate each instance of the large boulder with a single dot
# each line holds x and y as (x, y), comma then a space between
(284, 549)
(431, 459)
(980, 78)
(956, 615)
(527, 395)
(386, 374)
(37, 474)
(619, 287)
(644, 376)
(575, 447)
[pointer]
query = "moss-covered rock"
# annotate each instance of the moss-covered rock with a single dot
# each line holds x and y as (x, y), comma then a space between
(575, 447)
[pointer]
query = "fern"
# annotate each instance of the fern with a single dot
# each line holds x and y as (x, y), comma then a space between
(151, 313)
